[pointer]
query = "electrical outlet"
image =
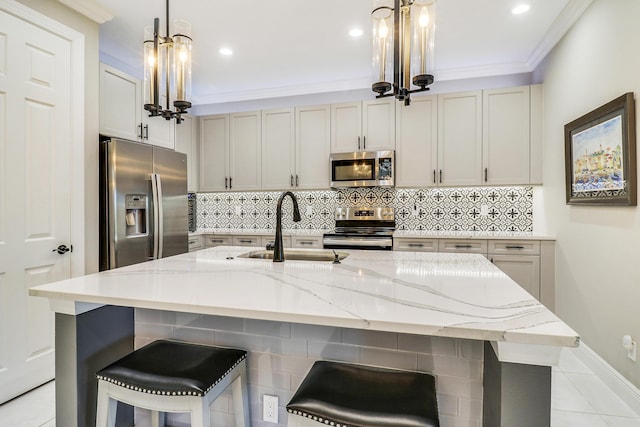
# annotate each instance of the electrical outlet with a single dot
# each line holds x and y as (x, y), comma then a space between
(270, 408)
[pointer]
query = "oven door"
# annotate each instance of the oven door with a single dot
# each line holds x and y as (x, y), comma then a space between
(347, 241)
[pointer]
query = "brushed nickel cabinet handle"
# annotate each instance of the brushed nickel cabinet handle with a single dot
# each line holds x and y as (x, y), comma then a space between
(514, 247)
(463, 246)
(415, 245)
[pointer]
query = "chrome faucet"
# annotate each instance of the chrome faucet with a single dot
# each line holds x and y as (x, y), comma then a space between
(278, 250)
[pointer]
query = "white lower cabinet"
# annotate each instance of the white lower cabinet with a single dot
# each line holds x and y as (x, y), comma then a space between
(270, 240)
(523, 269)
(246, 240)
(415, 245)
(312, 242)
(196, 243)
(530, 263)
(471, 246)
(216, 240)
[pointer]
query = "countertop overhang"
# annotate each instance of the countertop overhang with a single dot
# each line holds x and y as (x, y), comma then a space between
(439, 294)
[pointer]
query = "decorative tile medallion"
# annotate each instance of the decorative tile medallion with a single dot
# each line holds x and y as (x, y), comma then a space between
(441, 209)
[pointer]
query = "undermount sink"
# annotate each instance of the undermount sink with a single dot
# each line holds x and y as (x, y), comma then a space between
(300, 255)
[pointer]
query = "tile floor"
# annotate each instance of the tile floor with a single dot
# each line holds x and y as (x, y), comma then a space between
(579, 399)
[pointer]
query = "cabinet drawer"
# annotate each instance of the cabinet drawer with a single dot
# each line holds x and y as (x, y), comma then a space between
(417, 245)
(211, 241)
(268, 240)
(306, 242)
(246, 240)
(515, 247)
(472, 246)
(196, 243)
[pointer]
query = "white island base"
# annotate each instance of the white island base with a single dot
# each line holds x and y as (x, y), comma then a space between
(457, 316)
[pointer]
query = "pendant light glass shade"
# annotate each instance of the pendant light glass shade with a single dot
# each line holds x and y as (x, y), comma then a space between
(382, 63)
(422, 42)
(181, 80)
(150, 81)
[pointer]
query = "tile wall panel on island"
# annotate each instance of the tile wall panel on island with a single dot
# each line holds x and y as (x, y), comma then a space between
(281, 354)
(492, 209)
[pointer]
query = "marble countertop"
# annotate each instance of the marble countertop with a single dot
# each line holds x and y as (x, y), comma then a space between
(259, 232)
(441, 294)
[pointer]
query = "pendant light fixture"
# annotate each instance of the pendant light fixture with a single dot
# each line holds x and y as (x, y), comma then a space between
(167, 67)
(403, 42)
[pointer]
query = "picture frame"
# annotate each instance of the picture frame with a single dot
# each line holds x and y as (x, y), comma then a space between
(600, 155)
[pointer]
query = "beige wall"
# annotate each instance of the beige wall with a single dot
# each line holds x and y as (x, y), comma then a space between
(598, 248)
(90, 29)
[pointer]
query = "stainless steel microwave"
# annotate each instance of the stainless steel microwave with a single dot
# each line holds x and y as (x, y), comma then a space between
(362, 169)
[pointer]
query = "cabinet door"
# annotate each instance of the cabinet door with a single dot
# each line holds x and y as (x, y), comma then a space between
(278, 149)
(187, 143)
(417, 143)
(313, 139)
(159, 131)
(245, 153)
(460, 138)
(379, 124)
(535, 134)
(196, 243)
(214, 152)
(505, 140)
(346, 127)
(120, 100)
(523, 269)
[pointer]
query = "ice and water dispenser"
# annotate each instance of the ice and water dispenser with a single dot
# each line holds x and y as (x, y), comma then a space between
(136, 214)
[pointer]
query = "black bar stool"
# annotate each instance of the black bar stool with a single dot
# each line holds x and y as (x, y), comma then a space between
(345, 395)
(168, 376)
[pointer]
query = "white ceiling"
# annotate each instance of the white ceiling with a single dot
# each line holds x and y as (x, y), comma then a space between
(295, 47)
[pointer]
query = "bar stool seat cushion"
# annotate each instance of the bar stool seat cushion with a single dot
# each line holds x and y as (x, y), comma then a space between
(173, 368)
(355, 395)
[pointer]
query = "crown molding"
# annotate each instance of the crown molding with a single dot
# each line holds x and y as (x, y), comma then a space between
(569, 15)
(91, 9)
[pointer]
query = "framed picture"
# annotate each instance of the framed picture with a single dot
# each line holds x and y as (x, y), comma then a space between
(600, 155)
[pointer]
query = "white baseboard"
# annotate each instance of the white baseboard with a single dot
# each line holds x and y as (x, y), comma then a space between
(622, 387)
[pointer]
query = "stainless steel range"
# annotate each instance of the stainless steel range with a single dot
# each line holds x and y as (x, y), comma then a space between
(362, 228)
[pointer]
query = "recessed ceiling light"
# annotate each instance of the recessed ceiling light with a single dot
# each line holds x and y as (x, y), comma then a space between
(226, 51)
(355, 32)
(520, 9)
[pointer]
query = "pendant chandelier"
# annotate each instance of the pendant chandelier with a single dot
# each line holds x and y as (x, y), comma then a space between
(403, 44)
(167, 67)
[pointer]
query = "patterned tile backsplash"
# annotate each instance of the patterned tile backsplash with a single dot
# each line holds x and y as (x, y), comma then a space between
(441, 209)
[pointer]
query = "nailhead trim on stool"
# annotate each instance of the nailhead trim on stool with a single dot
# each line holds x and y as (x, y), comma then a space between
(345, 395)
(183, 370)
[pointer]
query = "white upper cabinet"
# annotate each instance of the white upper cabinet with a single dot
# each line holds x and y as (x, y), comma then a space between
(295, 148)
(459, 139)
(505, 157)
(363, 126)
(120, 100)
(122, 114)
(187, 143)
(214, 152)
(245, 153)
(157, 130)
(417, 142)
(278, 149)
(313, 146)
(535, 138)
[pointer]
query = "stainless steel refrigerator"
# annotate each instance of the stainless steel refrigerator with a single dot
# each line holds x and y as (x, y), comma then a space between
(143, 203)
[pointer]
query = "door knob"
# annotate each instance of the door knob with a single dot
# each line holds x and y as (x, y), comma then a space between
(62, 249)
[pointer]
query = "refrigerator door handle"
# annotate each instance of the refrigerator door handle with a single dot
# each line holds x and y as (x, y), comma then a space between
(158, 229)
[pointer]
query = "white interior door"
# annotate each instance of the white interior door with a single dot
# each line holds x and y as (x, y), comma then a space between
(35, 199)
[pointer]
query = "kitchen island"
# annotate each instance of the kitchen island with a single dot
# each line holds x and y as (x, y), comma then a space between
(459, 297)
